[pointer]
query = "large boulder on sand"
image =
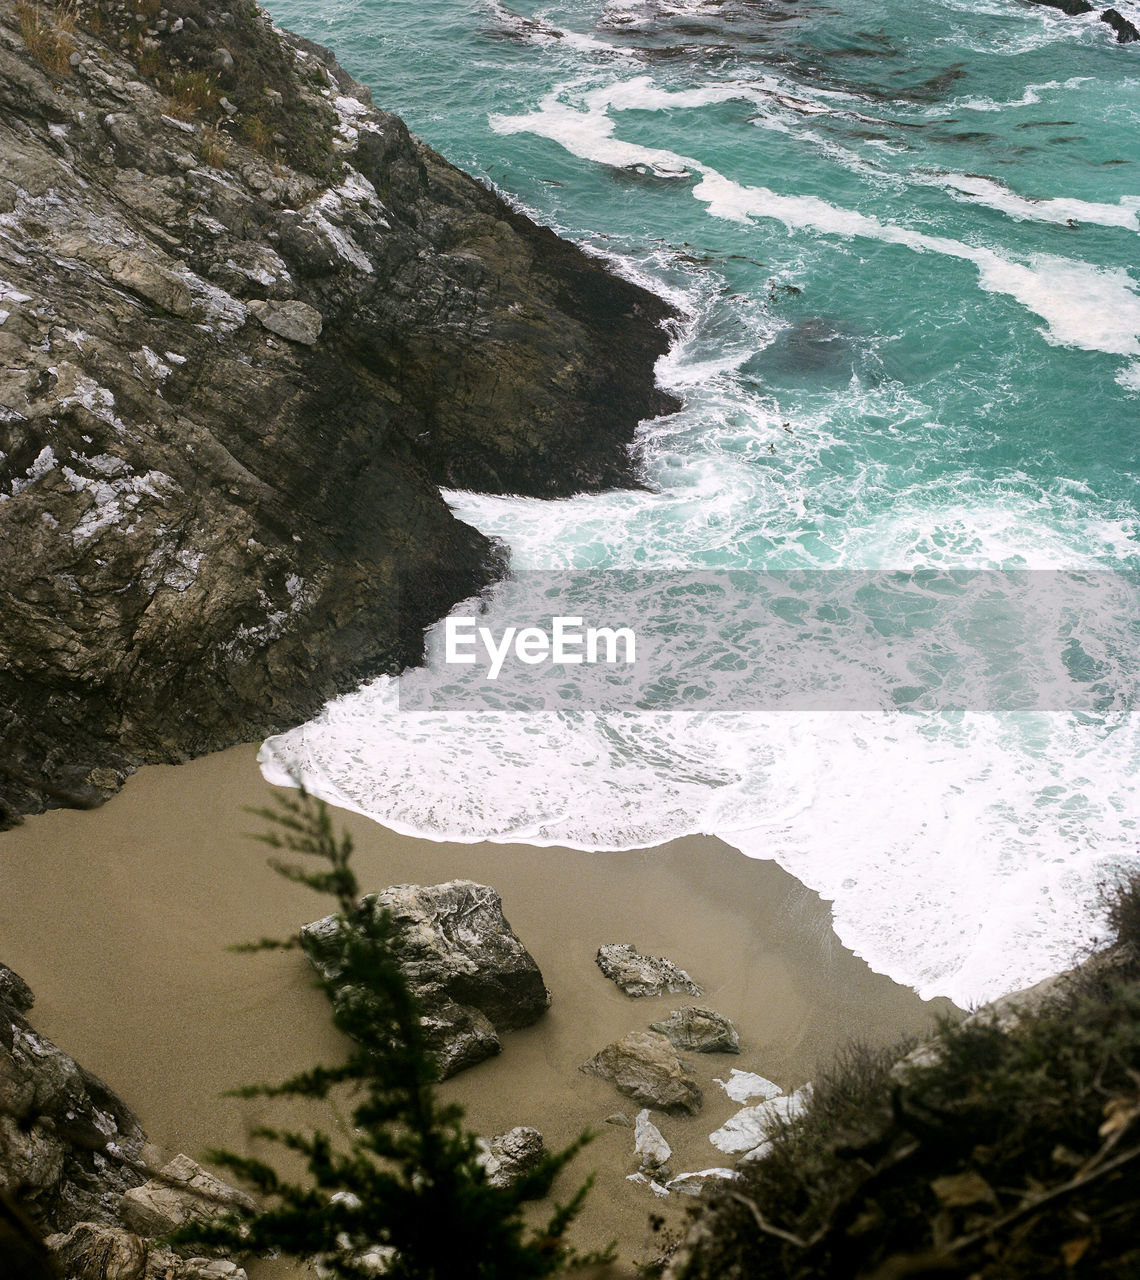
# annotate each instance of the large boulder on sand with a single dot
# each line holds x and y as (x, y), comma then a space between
(471, 975)
(646, 1067)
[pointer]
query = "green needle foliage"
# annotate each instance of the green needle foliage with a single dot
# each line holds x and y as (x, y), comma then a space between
(408, 1179)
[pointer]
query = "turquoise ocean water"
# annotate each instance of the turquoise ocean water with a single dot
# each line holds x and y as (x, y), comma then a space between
(904, 241)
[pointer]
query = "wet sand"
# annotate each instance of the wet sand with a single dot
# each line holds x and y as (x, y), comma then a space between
(120, 918)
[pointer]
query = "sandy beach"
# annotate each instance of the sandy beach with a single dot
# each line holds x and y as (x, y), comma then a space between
(120, 918)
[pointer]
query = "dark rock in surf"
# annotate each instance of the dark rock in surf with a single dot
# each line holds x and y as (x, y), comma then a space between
(1126, 33)
(471, 975)
(1074, 8)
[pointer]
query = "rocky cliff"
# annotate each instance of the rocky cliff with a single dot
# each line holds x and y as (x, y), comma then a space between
(248, 324)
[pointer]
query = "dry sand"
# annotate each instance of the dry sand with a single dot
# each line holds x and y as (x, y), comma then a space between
(119, 920)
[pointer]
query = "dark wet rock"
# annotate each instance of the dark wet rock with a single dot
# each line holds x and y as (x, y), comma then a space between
(639, 975)
(511, 1156)
(1126, 32)
(69, 1147)
(1074, 8)
(96, 1251)
(470, 973)
(699, 1030)
(182, 1192)
(645, 1066)
(212, 517)
(14, 991)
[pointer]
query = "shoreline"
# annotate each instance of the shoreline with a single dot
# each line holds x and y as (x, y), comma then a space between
(119, 919)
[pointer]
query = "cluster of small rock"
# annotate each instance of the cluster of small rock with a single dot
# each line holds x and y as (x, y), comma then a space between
(647, 1066)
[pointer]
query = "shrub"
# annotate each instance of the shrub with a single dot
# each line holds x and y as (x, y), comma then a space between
(1007, 1150)
(212, 145)
(192, 93)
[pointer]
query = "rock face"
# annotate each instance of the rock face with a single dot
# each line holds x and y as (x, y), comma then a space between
(68, 1145)
(182, 1192)
(231, 380)
(14, 991)
(645, 1066)
(639, 975)
(470, 973)
(1126, 32)
(95, 1251)
(699, 1030)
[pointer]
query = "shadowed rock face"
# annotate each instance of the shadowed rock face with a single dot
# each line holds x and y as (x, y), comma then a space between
(231, 383)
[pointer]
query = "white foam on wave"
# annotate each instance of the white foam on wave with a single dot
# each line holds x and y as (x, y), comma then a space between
(961, 854)
(1031, 96)
(1085, 306)
(992, 194)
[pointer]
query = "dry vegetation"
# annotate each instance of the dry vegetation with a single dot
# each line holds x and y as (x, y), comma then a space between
(48, 31)
(1008, 1154)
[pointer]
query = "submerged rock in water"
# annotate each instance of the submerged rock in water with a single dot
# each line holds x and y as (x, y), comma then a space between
(231, 388)
(470, 973)
(646, 1067)
(639, 975)
(700, 1030)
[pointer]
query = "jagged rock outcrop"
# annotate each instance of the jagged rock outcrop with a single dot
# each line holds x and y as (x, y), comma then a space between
(72, 1164)
(248, 324)
(1126, 33)
(69, 1147)
(639, 975)
(468, 971)
(182, 1192)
